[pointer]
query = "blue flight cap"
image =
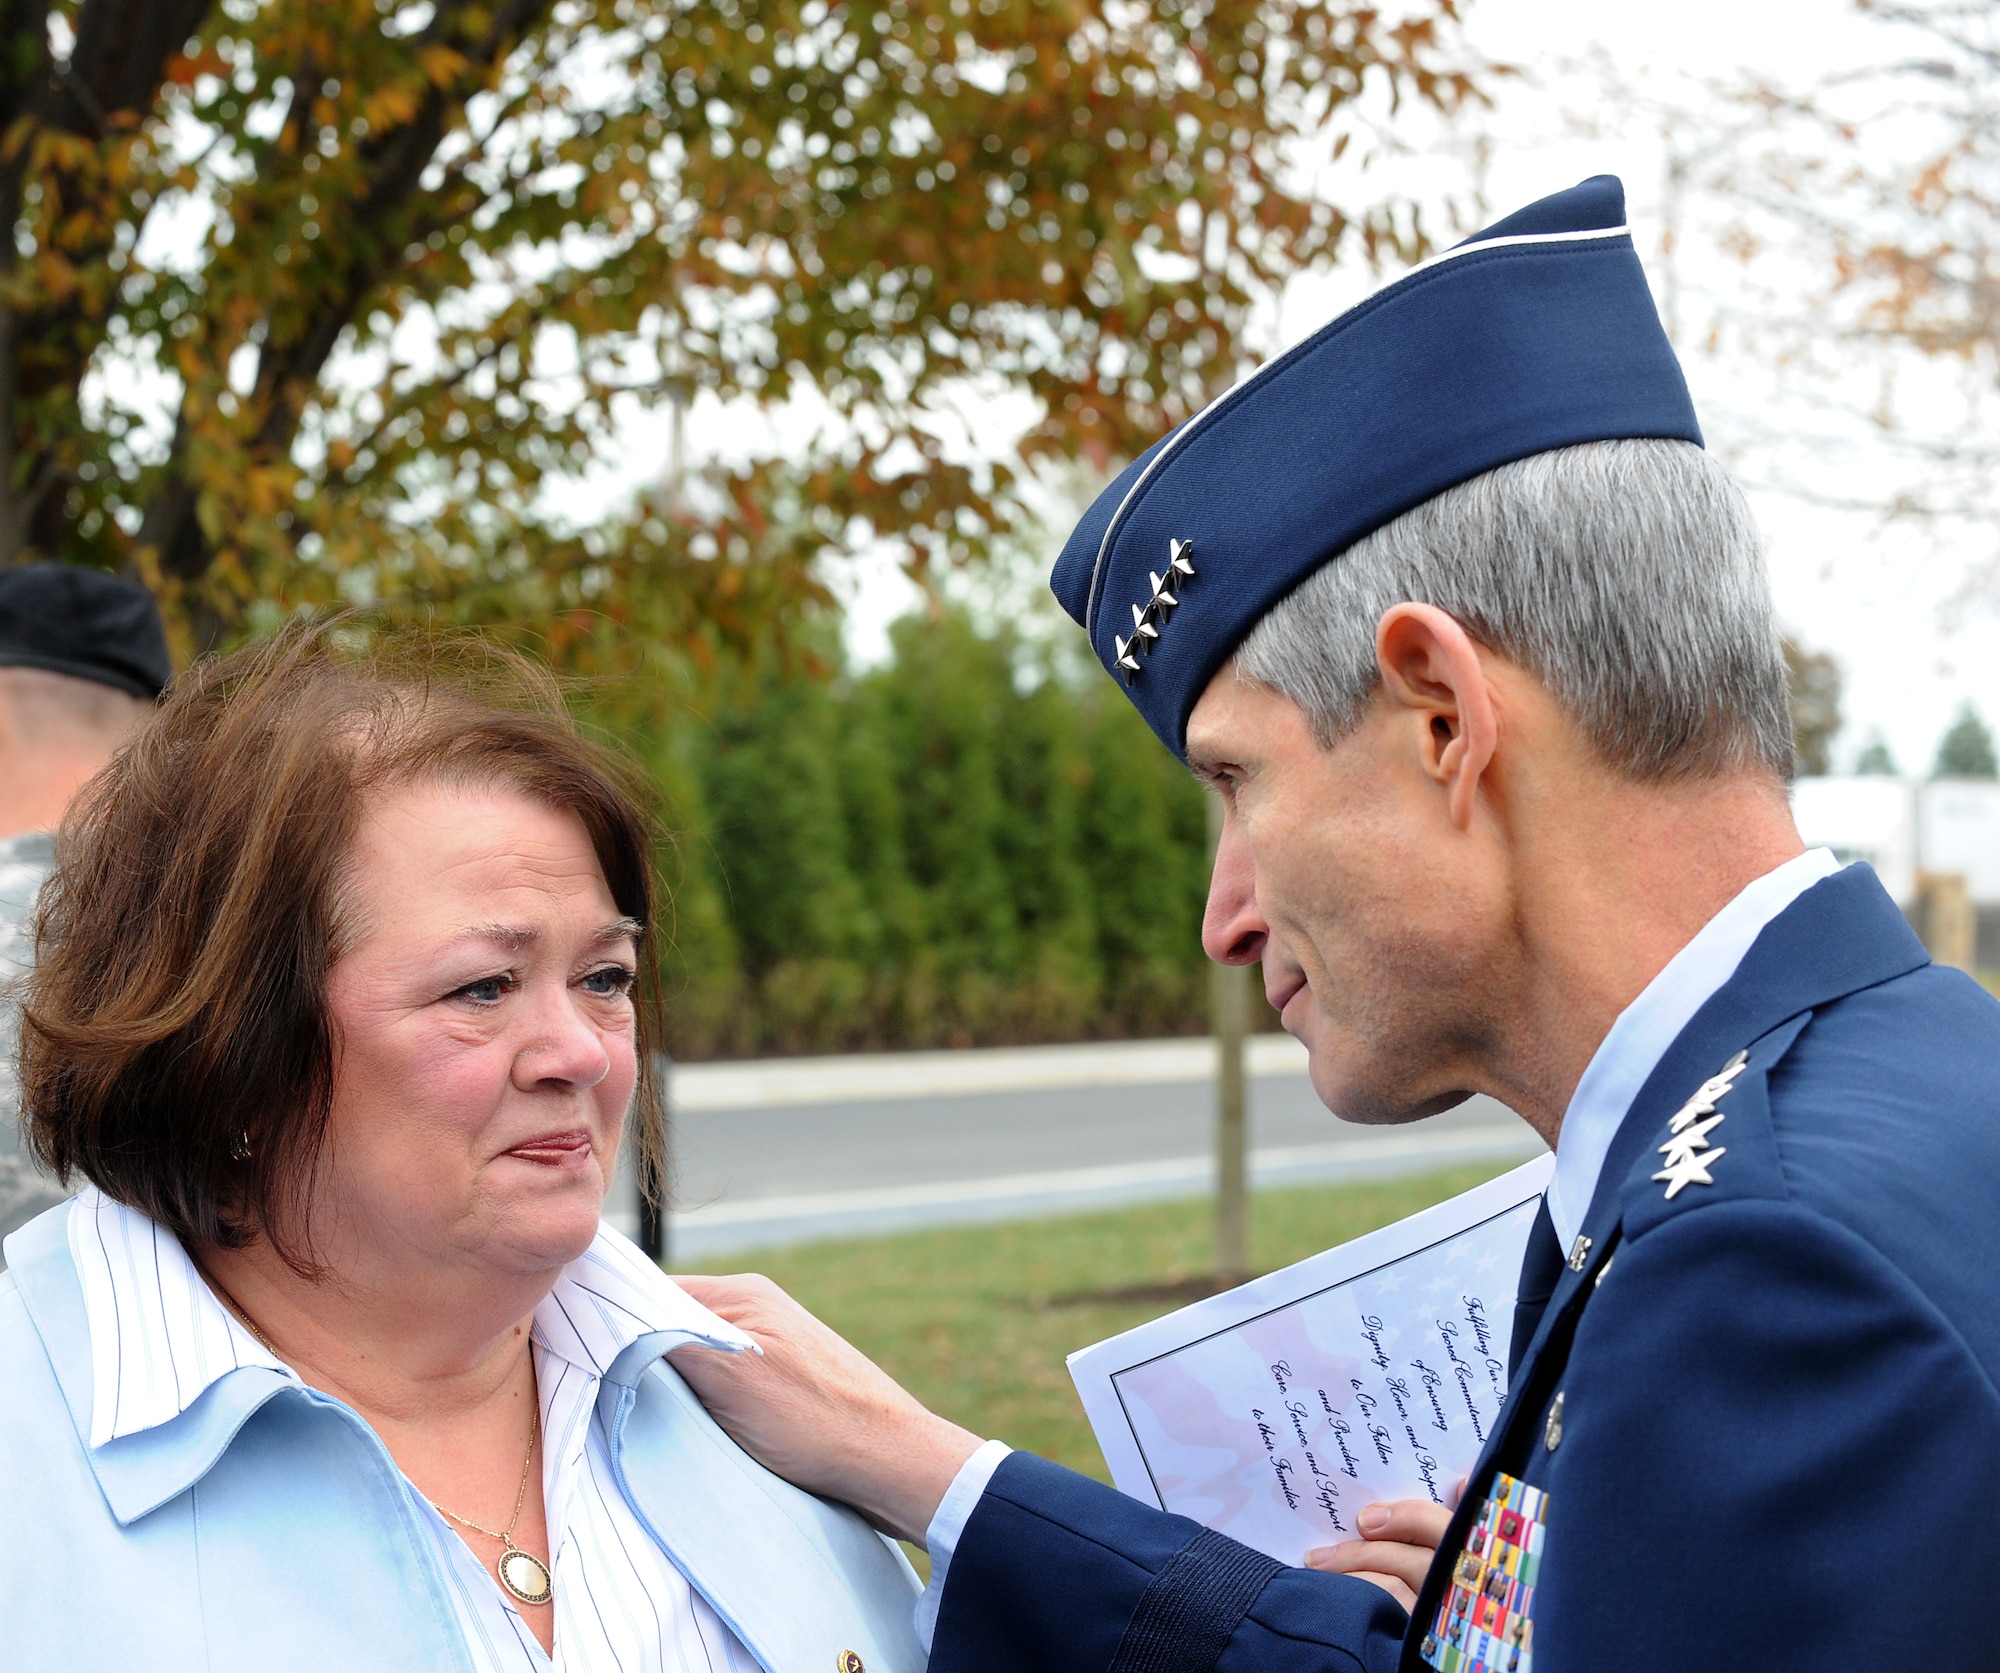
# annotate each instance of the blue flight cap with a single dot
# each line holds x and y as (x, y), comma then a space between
(1535, 334)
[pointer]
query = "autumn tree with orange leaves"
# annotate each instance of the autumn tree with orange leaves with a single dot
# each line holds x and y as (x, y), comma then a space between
(314, 301)
(1859, 217)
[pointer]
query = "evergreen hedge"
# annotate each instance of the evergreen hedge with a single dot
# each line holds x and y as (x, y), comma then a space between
(961, 847)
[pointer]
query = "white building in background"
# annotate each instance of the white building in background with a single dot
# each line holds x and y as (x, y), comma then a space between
(1902, 826)
(1958, 829)
(1872, 819)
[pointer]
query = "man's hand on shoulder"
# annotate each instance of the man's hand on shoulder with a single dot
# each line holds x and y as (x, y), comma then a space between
(816, 1410)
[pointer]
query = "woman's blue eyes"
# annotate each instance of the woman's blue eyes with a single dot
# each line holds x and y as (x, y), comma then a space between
(607, 982)
(488, 992)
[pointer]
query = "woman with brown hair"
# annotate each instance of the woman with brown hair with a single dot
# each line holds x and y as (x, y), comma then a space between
(340, 1010)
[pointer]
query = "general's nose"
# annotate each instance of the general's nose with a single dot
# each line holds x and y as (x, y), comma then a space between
(1233, 931)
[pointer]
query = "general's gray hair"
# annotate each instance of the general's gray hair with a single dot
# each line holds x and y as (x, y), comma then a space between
(1626, 575)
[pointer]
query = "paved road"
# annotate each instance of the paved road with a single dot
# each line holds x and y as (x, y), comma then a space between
(771, 1153)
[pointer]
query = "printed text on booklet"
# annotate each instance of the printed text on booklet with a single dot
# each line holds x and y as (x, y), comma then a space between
(1371, 1372)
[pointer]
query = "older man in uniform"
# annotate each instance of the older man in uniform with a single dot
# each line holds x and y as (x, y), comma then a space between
(82, 656)
(1475, 643)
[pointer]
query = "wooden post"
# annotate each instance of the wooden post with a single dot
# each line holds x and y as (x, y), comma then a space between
(1946, 919)
(653, 1221)
(1229, 1020)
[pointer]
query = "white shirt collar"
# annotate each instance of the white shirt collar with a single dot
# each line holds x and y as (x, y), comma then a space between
(612, 1295)
(1652, 1022)
(159, 1337)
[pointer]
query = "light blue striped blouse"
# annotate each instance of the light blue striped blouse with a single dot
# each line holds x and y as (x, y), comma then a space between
(159, 1337)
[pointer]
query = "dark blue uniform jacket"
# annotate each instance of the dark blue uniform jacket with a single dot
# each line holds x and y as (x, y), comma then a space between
(1778, 1444)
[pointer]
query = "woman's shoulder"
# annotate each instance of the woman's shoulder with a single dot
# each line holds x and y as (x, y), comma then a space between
(50, 1485)
(29, 1390)
(60, 1618)
(40, 1278)
(44, 1346)
(15, 1326)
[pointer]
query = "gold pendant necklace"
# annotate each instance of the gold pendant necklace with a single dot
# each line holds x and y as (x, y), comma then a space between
(524, 1575)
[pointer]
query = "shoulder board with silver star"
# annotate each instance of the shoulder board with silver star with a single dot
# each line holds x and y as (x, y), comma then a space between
(1688, 1153)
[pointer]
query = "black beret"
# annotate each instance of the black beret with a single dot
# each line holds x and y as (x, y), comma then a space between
(64, 619)
(1535, 334)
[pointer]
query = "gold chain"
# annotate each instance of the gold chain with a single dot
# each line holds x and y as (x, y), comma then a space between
(520, 1497)
(527, 1464)
(242, 1313)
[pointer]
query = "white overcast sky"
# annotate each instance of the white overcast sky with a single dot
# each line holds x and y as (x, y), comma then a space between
(1871, 595)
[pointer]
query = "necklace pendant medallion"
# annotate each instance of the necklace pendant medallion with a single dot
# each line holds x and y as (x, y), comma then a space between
(524, 1575)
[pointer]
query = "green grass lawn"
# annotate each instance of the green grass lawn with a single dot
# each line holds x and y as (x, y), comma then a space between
(977, 1321)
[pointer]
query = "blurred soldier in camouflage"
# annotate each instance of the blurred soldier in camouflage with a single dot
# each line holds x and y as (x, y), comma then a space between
(82, 656)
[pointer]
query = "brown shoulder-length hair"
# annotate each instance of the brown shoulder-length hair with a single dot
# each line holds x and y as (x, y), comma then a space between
(176, 1017)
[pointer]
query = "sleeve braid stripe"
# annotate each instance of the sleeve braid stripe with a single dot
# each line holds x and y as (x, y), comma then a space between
(1194, 1606)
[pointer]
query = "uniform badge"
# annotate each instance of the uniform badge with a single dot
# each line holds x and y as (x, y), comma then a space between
(1687, 1150)
(1485, 1622)
(1150, 617)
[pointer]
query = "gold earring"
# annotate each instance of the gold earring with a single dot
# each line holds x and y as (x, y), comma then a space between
(239, 1147)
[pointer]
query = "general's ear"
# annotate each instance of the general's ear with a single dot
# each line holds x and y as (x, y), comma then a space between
(1431, 666)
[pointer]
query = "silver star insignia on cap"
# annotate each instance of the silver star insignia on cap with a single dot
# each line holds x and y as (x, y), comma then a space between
(1150, 617)
(1687, 1151)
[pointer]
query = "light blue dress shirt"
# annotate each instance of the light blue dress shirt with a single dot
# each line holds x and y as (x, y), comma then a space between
(1652, 1022)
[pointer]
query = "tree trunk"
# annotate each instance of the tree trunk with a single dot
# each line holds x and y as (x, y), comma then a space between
(1229, 1019)
(288, 369)
(118, 63)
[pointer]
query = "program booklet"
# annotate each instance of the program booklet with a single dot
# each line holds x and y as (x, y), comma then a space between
(1273, 1412)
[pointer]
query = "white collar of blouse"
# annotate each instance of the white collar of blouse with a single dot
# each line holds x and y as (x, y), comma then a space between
(159, 1337)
